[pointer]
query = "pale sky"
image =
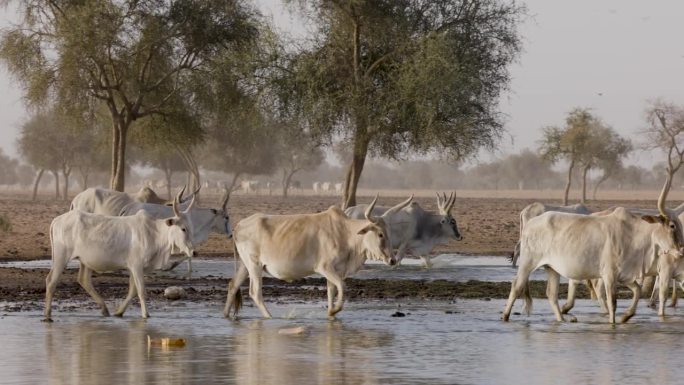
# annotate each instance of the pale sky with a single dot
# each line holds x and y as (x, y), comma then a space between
(610, 55)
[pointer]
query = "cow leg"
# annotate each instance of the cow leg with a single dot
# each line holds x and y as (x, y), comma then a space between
(552, 292)
(234, 287)
(647, 285)
(664, 281)
(609, 285)
(596, 286)
(58, 264)
(338, 282)
(85, 279)
(636, 290)
(131, 293)
(189, 267)
(332, 291)
(570, 303)
(255, 289)
(138, 278)
(654, 293)
(673, 302)
(427, 263)
(518, 285)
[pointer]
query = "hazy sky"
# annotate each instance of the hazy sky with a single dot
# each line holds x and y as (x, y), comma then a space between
(611, 56)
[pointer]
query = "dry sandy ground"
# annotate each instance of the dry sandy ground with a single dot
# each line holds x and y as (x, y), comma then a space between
(489, 226)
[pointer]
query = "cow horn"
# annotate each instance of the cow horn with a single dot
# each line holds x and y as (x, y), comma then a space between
(226, 197)
(192, 203)
(194, 193)
(180, 194)
(439, 201)
(398, 207)
(176, 201)
(369, 210)
(452, 200)
(663, 196)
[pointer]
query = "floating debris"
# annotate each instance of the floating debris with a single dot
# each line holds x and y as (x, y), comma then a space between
(293, 331)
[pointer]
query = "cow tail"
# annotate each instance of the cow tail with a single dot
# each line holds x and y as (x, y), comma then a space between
(528, 298)
(515, 254)
(237, 300)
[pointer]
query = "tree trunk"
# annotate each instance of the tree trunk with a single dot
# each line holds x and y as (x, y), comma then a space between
(287, 179)
(67, 173)
(84, 171)
(598, 183)
(120, 131)
(354, 172)
(35, 184)
(55, 173)
(168, 173)
(585, 171)
(567, 184)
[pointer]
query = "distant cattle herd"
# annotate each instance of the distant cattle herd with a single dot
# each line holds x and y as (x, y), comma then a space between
(107, 230)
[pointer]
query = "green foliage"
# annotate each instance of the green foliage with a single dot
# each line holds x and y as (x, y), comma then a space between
(571, 142)
(405, 76)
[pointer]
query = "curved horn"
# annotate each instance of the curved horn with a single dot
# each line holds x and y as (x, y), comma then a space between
(452, 200)
(194, 193)
(369, 210)
(226, 197)
(663, 196)
(192, 203)
(439, 201)
(176, 200)
(398, 207)
(182, 191)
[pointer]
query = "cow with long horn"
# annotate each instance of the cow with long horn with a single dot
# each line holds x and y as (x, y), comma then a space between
(414, 230)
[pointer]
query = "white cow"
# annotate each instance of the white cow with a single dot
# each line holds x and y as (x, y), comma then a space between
(249, 186)
(416, 231)
(204, 221)
(326, 187)
(101, 243)
(291, 247)
(536, 209)
(618, 248)
(104, 201)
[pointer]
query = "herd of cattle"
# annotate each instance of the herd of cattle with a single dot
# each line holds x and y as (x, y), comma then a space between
(106, 230)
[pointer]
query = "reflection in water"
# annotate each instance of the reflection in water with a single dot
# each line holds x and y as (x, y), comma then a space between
(329, 354)
(366, 346)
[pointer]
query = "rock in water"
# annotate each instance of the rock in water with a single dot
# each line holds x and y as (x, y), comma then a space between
(174, 293)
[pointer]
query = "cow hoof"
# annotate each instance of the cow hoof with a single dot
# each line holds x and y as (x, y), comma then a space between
(504, 318)
(118, 314)
(47, 319)
(105, 313)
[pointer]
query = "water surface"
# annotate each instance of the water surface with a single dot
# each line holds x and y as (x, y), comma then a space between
(436, 343)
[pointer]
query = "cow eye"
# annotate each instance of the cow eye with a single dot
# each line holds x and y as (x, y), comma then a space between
(380, 235)
(672, 226)
(183, 230)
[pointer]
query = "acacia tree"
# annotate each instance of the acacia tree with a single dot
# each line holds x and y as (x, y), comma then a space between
(297, 151)
(132, 56)
(665, 132)
(396, 77)
(38, 144)
(606, 153)
(569, 143)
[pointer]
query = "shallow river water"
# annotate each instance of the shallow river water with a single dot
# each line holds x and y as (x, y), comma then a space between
(450, 267)
(435, 343)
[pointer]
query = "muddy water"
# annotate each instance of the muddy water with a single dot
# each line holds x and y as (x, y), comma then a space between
(435, 343)
(450, 267)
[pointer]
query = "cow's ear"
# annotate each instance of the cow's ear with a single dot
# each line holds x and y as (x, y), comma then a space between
(649, 218)
(364, 230)
(169, 222)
